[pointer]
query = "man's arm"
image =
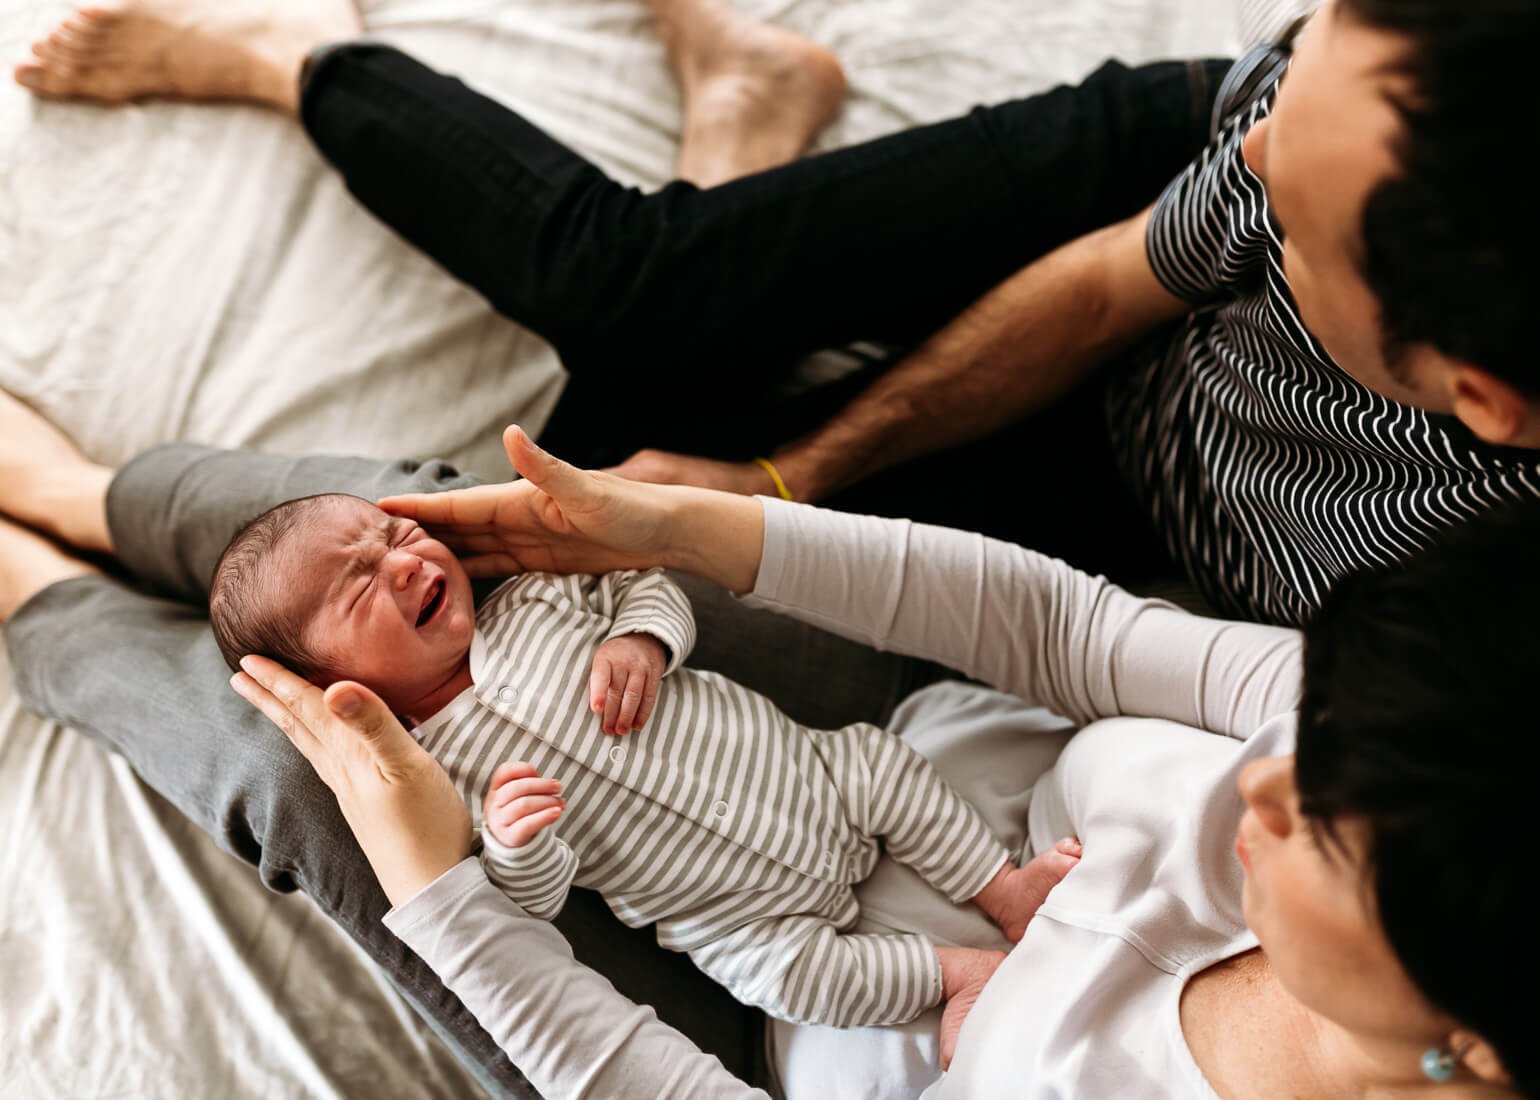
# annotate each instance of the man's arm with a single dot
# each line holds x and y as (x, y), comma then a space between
(1013, 351)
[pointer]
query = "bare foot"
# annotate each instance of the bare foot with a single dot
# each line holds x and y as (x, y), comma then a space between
(754, 95)
(964, 973)
(47, 483)
(30, 563)
(1013, 896)
(246, 50)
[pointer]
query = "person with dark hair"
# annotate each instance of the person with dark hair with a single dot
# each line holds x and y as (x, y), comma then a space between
(1305, 359)
(1279, 436)
(1326, 901)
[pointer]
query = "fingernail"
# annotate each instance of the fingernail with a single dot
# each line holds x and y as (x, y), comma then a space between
(246, 665)
(349, 705)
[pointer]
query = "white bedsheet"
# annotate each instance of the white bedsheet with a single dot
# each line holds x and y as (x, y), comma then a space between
(182, 272)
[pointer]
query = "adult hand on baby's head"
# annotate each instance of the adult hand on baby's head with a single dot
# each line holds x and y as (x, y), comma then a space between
(399, 802)
(558, 519)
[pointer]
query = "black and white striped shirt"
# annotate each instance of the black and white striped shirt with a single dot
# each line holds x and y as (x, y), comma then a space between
(1269, 471)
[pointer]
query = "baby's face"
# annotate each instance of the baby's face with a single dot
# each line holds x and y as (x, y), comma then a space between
(393, 607)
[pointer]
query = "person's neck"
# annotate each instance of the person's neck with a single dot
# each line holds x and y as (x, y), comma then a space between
(1334, 1061)
(436, 699)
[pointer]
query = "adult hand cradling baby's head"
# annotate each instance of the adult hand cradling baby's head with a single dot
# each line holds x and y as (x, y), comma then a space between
(400, 804)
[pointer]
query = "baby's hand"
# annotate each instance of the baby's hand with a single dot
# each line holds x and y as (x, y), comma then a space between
(624, 683)
(520, 803)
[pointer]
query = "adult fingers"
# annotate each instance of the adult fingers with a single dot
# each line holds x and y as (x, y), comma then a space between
(472, 508)
(364, 713)
(492, 565)
(298, 696)
(561, 481)
(464, 541)
(310, 747)
(631, 701)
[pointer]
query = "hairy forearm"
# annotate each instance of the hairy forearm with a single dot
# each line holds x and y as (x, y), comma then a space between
(1015, 350)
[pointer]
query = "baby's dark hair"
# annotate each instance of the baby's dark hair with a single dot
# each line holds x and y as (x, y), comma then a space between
(1419, 717)
(246, 608)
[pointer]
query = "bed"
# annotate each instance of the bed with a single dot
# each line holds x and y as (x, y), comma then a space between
(180, 272)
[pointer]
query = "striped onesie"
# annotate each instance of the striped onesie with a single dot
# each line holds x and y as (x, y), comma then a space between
(737, 831)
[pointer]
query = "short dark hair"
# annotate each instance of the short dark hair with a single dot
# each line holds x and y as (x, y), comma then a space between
(1453, 241)
(245, 610)
(1420, 716)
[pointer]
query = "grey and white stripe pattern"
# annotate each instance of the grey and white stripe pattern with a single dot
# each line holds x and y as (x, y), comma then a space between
(1269, 471)
(737, 831)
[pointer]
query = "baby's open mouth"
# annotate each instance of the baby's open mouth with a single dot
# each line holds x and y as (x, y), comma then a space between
(434, 602)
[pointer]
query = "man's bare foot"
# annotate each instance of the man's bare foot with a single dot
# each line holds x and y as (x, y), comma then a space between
(47, 483)
(754, 95)
(964, 973)
(30, 563)
(245, 50)
(1014, 895)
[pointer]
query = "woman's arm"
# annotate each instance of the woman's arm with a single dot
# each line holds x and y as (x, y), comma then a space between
(1022, 622)
(562, 1024)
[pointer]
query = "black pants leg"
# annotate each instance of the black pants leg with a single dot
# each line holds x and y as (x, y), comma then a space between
(671, 309)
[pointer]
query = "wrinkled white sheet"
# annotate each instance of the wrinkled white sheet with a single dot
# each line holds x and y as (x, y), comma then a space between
(183, 272)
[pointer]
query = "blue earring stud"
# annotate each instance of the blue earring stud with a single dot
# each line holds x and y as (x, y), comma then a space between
(1438, 1064)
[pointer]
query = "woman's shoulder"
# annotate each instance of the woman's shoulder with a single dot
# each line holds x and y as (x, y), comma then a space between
(1156, 805)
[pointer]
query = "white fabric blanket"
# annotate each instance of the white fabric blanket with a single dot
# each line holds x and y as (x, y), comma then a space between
(182, 272)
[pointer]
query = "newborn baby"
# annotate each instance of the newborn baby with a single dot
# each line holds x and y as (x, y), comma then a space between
(735, 830)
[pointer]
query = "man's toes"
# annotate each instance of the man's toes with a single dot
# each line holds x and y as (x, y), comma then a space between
(44, 79)
(99, 17)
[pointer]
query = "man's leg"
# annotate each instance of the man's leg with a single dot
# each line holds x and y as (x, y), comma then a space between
(888, 238)
(673, 310)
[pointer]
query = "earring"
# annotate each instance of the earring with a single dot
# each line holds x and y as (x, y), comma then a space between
(1439, 1063)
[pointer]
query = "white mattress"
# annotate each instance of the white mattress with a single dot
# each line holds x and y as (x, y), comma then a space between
(176, 272)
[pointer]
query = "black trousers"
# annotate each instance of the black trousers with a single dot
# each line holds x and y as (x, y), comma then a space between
(678, 312)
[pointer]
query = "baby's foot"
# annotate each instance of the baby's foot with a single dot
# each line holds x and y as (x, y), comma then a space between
(1013, 896)
(47, 483)
(30, 563)
(246, 50)
(964, 973)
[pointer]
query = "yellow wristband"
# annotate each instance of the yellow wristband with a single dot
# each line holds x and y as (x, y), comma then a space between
(780, 486)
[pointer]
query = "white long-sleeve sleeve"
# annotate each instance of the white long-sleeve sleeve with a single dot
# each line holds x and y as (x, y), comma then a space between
(1023, 622)
(561, 1023)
